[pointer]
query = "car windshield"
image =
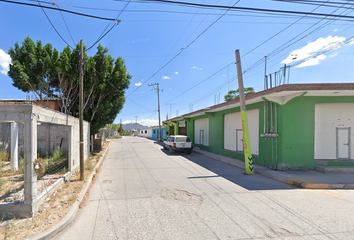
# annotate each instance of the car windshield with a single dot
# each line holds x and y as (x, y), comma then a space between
(181, 139)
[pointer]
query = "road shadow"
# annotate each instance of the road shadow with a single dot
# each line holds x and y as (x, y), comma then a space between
(230, 172)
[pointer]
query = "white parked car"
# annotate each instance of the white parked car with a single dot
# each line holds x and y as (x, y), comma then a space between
(178, 142)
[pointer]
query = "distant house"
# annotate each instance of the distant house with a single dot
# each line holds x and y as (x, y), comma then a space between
(292, 126)
(156, 134)
(146, 133)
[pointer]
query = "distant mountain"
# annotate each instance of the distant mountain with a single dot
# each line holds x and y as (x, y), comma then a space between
(131, 126)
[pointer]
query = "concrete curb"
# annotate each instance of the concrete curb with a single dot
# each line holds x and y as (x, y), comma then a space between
(296, 182)
(74, 209)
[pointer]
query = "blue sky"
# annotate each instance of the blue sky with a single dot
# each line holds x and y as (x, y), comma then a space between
(151, 34)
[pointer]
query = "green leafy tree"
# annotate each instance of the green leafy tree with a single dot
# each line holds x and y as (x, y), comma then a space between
(31, 67)
(234, 94)
(42, 70)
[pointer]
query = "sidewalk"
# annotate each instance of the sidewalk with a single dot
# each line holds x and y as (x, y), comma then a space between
(301, 179)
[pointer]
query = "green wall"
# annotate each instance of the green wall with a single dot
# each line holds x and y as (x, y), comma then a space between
(297, 131)
(293, 149)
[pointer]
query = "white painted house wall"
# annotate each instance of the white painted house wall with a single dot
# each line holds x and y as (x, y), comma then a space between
(232, 122)
(201, 125)
(146, 133)
(329, 116)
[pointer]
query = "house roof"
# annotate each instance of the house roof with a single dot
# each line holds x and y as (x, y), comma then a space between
(280, 94)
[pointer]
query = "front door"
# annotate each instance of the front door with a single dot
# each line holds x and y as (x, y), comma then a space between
(343, 142)
(201, 137)
(239, 140)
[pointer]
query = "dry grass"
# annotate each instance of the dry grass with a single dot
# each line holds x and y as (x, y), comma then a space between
(53, 210)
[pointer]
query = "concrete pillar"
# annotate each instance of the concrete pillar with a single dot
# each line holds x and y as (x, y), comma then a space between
(14, 146)
(30, 142)
(92, 143)
(71, 159)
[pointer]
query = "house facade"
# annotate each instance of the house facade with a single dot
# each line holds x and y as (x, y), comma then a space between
(156, 134)
(293, 126)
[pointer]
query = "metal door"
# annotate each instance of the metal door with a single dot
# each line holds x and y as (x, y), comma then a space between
(201, 137)
(343, 142)
(239, 140)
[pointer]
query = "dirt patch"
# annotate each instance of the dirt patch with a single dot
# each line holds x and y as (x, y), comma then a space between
(55, 207)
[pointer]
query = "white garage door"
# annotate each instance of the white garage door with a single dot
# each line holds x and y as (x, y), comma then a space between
(233, 139)
(201, 131)
(334, 131)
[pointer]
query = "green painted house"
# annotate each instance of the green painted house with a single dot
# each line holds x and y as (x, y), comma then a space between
(292, 126)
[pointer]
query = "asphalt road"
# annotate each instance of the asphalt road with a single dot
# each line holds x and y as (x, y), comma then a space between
(144, 192)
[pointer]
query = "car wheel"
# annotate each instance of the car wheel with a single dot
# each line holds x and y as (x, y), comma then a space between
(171, 149)
(164, 146)
(189, 151)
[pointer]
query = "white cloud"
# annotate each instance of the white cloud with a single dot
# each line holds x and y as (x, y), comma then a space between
(197, 68)
(145, 122)
(165, 77)
(313, 61)
(5, 60)
(223, 75)
(138, 84)
(313, 47)
(176, 73)
(149, 122)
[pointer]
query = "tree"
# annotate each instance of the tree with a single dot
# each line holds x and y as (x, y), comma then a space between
(45, 72)
(31, 68)
(233, 94)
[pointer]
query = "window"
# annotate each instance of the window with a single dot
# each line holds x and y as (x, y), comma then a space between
(181, 139)
(154, 131)
(188, 139)
(146, 131)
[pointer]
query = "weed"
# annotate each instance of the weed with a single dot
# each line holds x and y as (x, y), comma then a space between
(64, 170)
(21, 165)
(1, 182)
(88, 165)
(4, 156)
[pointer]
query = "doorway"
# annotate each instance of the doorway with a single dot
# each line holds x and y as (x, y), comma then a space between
(343, 143)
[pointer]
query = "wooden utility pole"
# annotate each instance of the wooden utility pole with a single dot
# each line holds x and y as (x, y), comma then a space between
(120, 127)
(158, 100)
(246, 139)
(81, 101)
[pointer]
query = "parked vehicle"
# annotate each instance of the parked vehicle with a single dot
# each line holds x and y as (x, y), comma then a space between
(178, 142)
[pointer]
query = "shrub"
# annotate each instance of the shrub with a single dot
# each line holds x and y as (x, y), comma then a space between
(4, 156)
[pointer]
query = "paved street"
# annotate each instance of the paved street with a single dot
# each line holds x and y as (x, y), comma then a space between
(144, 192)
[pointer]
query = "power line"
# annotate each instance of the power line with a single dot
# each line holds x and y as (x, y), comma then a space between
(54, 27)
(64, 22)
(104, 34)
(63, 10)
(232, 8)
(182, 49)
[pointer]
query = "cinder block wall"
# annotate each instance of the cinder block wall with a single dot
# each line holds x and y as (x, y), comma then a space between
(49, 137)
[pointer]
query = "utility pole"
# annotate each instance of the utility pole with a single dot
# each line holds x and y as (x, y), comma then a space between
(158, 100)
(120, 127)
(246, 139)
(265, 73)
(136, 122)
(81, 101)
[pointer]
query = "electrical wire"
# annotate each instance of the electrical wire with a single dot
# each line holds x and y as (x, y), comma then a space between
(104, 34)
(65, 23)
(232, 8)
(55, 9)
(54, 27)
(182, 49)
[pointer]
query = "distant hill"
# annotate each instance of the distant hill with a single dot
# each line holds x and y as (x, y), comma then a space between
(131, 126)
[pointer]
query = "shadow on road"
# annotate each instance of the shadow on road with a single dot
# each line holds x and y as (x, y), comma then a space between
(230, 172)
